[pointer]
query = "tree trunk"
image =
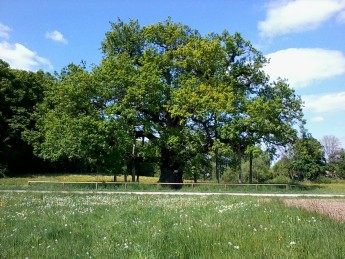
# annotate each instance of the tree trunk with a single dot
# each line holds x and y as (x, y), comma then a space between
(251, 167)
(195, 177)
(133, 161)
(133, 171)
(239, 158)
(217, 166)
(170, 169)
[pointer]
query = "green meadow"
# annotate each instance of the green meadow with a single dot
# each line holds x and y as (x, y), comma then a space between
(143, 226)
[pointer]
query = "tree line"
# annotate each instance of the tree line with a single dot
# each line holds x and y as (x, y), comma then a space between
(164, 99)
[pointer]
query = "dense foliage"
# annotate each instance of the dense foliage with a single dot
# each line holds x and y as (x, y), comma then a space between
(20, 91)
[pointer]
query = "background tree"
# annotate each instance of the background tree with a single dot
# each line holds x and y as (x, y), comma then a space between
(72, 128)
(331, 145)
(340, 163)
(307, 160)
(20, 92)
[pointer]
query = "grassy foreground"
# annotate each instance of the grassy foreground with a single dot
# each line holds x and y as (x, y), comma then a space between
(134, 226)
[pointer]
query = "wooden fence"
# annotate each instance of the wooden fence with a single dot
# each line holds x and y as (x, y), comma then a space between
(158, 185)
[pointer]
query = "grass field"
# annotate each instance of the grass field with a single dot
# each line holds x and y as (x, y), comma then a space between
(131, 226)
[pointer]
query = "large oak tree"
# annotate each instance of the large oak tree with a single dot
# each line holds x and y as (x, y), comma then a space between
(183, 93)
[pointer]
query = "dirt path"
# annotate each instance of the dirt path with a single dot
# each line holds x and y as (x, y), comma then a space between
(333, 208)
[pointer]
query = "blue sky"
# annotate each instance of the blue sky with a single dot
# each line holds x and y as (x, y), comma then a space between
(304, 39)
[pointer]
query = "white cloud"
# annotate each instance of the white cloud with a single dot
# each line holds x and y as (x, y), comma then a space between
(4, 32)
(334, 102)
(293, 16)
(317, 119)
(56, 36)
(302, 67)
(20, 57)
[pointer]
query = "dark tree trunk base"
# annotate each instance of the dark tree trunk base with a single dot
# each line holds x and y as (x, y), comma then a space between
(170, 175)
(170, 169)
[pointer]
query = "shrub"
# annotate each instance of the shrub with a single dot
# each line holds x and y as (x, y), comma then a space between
(323, 179)
(230, 176)
(280, 179)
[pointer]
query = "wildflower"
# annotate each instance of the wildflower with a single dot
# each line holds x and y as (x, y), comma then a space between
(292, 243)
(237, 247)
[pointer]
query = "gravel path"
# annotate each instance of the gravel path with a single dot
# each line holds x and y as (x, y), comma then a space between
(286, 195)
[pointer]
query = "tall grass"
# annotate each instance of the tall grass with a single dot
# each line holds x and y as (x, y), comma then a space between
(130, 226)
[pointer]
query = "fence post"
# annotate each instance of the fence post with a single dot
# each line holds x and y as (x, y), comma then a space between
(96, 186)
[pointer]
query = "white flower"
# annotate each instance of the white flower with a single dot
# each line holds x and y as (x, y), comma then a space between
(237, 247)
(292, 243)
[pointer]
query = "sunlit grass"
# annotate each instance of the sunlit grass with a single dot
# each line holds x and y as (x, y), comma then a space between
(130, 226)
(23, 181)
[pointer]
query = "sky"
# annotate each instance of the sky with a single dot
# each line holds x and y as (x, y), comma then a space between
(304, 40)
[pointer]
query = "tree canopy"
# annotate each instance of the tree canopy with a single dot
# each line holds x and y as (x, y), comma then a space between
(182, 94)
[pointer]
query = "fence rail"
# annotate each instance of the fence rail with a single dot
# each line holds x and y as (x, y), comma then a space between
(158, 185)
